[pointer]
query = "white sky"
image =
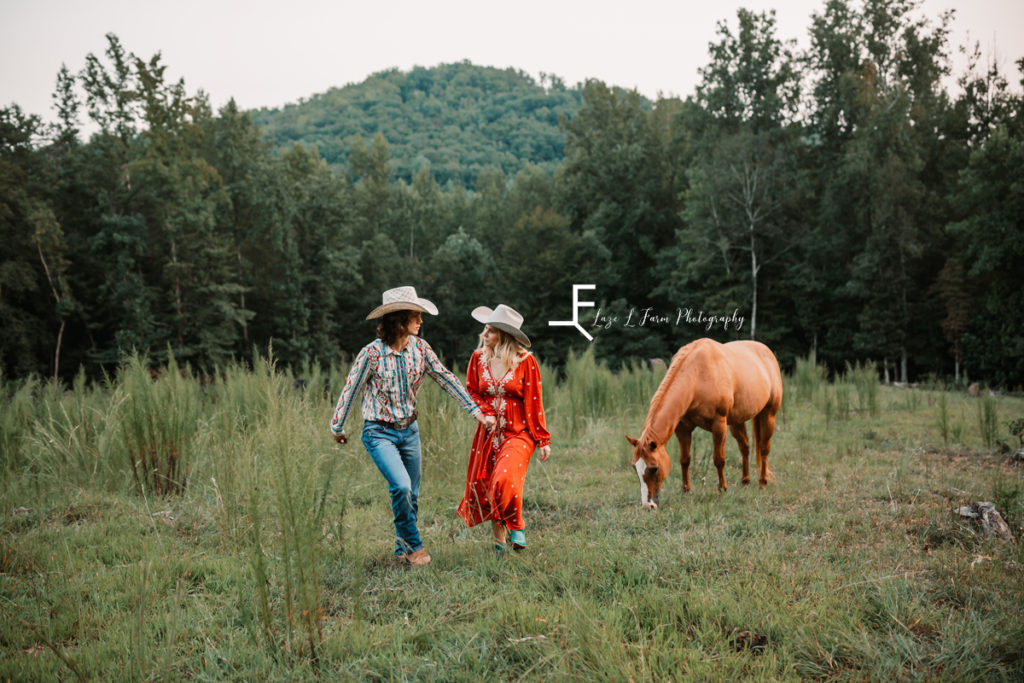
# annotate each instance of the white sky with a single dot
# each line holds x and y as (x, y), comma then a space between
(271, 53)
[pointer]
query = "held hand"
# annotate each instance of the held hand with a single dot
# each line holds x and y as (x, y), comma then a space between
(341, 438)
(487, 421)
(545, 453)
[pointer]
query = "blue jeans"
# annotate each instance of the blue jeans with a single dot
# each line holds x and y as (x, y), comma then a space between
(396, 453)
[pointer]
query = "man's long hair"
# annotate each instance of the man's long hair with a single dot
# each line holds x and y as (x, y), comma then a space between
(392, 325)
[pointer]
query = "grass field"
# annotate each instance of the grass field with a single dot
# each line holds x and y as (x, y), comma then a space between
(265, 554)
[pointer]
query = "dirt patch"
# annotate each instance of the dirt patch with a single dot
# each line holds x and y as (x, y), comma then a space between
(749, 641)
(75, 515)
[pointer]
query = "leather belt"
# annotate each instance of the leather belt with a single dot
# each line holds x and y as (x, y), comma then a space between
(400, 424)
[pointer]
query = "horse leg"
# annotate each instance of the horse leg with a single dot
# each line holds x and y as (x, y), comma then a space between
(764, 427)
(718, 430)
(758, 440)
(684, 435)
(739, 432)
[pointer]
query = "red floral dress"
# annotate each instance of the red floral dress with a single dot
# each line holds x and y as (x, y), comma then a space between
(498, 460)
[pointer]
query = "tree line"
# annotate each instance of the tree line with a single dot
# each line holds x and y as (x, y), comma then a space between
(839, 199)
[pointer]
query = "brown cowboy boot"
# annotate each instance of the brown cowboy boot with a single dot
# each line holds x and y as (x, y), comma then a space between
(418, 558)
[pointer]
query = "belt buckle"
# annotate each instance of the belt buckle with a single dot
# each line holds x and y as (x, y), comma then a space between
(398, 425)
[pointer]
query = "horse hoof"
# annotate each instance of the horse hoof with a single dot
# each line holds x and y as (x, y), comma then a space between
(649, 506)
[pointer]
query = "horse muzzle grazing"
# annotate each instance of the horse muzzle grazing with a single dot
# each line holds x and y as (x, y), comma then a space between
(652, 470)
(647, 500)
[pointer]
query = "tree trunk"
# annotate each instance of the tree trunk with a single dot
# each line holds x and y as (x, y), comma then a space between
(56, 355)
(245, 325)
(753, 276)
(177, 294)
(56, 297)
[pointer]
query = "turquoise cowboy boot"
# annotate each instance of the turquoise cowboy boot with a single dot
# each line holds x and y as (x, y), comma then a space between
(518, 539)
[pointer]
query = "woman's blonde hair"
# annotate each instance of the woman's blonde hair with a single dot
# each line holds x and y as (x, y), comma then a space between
(508, 349)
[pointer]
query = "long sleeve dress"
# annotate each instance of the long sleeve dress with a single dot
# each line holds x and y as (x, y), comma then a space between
(498, 460)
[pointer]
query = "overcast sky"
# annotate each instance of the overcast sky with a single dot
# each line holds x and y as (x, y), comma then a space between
(270, 53)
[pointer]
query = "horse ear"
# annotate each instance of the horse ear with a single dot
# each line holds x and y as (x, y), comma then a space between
(631, 440)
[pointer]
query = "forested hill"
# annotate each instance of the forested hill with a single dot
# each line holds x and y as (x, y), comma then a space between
(453, 119)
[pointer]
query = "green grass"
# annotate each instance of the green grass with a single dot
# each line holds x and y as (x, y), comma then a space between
(273, 561)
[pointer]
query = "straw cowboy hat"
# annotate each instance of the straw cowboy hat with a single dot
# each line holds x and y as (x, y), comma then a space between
(504, 318)
(402, 299)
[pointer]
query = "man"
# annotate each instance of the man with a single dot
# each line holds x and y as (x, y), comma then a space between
(387, 374)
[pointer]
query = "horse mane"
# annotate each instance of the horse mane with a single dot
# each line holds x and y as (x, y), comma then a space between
(667, 381)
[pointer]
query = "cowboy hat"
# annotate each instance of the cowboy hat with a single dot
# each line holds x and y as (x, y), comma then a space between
(503, 318)
(402, 299)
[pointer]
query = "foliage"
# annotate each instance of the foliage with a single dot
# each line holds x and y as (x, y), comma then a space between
(619, 191)
(877, 221)
(453, 120)
(990, 196)
(1016, 428)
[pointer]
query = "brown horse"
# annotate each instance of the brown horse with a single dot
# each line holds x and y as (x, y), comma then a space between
(712, 386)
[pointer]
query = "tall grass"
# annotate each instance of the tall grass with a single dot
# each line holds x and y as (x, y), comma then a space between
(844, 405)
(69, 434)
(271, 484)
(272, 563)
(591, 391)
(864, 376)
(988, 419)
(942, 419)
(154, 420)
(808, 377)
(16, 415)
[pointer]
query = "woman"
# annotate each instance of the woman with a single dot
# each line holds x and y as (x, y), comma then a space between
(504, 380)
(387, 375)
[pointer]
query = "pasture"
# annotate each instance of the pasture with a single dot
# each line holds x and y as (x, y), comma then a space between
(265, 554)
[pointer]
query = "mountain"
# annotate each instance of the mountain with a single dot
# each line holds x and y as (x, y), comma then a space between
(453, 119)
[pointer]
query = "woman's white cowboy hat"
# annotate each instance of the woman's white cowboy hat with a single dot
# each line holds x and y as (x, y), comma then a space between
(402, 299)
(504, 318)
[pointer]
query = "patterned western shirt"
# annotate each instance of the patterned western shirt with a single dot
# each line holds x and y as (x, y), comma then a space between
(388, 381)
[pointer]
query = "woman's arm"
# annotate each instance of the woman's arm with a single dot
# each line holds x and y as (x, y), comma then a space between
(534, 403)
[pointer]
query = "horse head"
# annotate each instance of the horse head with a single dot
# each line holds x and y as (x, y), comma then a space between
(651, 462)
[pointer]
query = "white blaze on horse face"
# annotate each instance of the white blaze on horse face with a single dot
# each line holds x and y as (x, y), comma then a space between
(641, 467)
